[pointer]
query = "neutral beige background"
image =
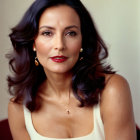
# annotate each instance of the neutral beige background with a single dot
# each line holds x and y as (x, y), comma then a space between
(118, 22)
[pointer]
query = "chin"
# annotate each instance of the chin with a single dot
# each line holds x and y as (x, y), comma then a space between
(62, 71)
(59, 70)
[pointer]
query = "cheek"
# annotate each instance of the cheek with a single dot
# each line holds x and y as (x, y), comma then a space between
(75, 48)
(42, 47)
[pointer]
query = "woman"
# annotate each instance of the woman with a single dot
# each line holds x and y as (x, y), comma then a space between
(62, 87)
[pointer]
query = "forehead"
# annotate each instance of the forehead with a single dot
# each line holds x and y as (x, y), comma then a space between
(61, 14)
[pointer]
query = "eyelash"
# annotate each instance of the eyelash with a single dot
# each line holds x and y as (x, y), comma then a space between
(48, 33)
(72, 33)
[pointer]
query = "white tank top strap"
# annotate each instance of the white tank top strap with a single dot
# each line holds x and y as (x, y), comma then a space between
(98, 123)
(30, 128)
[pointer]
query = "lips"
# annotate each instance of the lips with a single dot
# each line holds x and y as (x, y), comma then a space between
(59, 59)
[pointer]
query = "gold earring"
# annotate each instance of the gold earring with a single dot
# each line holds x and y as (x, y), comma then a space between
(34, 49)
(81, 50)
(36, 61)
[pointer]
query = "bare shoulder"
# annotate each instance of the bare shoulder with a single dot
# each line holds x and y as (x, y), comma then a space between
(117, 109)
(15, 111)
(16, 121)
(116, 91)
(115, 80)
(15, 108)
(116, 85)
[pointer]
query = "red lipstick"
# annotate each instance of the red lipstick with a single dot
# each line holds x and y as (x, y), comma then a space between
(59, 59)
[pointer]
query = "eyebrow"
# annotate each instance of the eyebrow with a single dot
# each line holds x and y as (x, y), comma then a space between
(49, 27)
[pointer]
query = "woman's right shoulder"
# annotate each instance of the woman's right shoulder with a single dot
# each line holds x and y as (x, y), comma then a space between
(16, 121)
(15, 108)
(15, 112)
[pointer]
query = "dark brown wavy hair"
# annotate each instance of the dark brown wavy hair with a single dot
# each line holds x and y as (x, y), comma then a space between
(88, 74)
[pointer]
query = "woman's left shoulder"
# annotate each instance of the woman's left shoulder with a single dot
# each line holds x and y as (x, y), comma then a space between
(114, 79)
(116, 96)
(116, 109)
(115, 85)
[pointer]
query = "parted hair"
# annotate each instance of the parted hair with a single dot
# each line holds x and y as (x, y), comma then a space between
(88, 74)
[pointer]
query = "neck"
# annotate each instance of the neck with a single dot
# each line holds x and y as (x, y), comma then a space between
(58, 84)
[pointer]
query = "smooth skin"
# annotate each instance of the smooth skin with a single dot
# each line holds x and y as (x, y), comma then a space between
(59, 34)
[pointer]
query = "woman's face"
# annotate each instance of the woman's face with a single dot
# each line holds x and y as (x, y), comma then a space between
(59, 39)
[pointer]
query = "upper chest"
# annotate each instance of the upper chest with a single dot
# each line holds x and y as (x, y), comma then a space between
(54, 121)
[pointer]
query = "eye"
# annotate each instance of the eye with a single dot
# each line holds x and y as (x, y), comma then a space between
(71, 33)
(47, 33)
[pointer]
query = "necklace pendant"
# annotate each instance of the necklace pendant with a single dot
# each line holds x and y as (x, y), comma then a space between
(68, 112)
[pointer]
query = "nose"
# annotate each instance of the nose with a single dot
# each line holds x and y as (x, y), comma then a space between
(59, 43)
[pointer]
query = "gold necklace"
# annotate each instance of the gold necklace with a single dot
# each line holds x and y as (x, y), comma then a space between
(67, 109)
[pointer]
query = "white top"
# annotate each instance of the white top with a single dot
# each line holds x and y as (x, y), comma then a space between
(96, 134)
